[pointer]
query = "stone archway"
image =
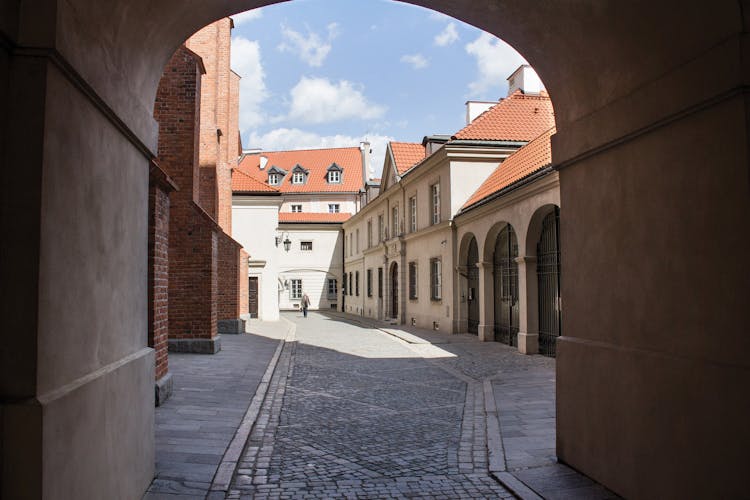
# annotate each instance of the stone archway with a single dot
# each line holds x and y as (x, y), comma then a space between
(631, 94)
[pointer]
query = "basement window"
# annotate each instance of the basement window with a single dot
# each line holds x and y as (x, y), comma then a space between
(305, 246)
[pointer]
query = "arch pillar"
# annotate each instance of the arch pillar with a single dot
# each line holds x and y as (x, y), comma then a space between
(528, 314)
(486, 328)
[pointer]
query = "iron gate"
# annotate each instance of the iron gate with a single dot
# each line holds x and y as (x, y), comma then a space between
(473, 277)
(506, 287)
(548, 274)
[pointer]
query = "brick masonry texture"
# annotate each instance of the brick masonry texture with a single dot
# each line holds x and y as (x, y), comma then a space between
(158, 268)
(229, 277)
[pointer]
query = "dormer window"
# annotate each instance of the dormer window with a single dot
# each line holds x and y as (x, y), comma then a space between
(299, 175)
(334, 174)
(275, 175)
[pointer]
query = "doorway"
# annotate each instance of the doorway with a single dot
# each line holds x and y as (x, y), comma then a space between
(506, 287)
(548, 276)
(472, 295)
(253, 296)
(394, 290)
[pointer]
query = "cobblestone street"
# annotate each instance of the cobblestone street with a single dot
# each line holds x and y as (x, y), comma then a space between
(357, 412)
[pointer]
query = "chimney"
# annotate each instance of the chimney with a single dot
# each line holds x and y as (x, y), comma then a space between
(476, 108)
(263, 162)
(526, 80)
(366, 151)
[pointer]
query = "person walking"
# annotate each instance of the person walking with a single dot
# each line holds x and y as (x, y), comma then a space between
(305, 304)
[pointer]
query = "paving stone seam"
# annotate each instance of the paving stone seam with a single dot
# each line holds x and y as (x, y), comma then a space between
(224, 473)
(493, 438)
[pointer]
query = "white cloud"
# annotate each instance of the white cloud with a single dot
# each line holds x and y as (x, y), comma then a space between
(246, 17)
(496, 60)
(417, 61)
(318, 100)
(448, 36)
(247, 63)
(312, 49)
(283, 139)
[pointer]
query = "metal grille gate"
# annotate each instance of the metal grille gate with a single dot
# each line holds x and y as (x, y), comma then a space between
(548, 274)
(506, 287)
(473, 275)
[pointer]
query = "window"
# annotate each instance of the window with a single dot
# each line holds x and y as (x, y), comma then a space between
(436, 280)
(369, 282)
(369, 233)
(296, 209)
(413, 214)
(394, 222)
(334, 177)
(380, 282)
(273, 179)
(343, 285)
(351, 290)
(357, 241)
(296, 292)
(334, 208)
(298, 178)
(305, 246)
(332, 287)
(412, 280)
(356, 283)
(351, 244)
(381, 228)
(435, 189)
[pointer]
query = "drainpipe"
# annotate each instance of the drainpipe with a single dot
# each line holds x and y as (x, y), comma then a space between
(343, 269)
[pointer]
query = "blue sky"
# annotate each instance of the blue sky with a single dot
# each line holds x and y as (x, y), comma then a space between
(329, 73)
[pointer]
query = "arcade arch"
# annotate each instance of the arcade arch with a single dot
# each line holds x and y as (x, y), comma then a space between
(632, 94)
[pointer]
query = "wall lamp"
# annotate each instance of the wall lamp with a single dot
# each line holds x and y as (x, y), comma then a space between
(284, 237)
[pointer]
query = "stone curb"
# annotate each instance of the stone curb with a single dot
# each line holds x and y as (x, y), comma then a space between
(224, 473)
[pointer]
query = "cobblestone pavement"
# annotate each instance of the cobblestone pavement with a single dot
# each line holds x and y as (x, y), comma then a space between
(354, 413)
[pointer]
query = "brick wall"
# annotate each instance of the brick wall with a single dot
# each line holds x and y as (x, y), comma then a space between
(193, 244)
(160, 185)
(208, 191)
(229, 278)
(218, 130)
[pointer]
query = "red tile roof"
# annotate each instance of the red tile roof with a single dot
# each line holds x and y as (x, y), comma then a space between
(326, 217)
(519, 117)
(532, 157)
(315, 161)
(406, 154)
(243, 183)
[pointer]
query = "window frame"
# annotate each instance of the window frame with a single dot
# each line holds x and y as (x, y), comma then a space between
(436, 279)
(302, 245)
(356, 283)
(296, 208)
(413, 214)
(331, 175)
(395, 220)
(413, 280)
(435, 202)
(380, 282)
(334, 208)
(333, 288)
(273, 179)
(369, 282)
(295, 294)
(298, 178)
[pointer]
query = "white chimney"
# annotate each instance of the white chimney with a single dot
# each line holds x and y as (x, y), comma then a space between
(526, 80)
(366, 151)
(263, 162)
(476, 108)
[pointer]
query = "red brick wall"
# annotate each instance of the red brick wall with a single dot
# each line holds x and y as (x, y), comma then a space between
(229, 277)
(193, 245)
(213, 44)
(244, 284)
(158, 267)
(208, 191)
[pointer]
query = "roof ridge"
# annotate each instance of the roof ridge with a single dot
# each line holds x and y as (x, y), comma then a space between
(261, 153)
